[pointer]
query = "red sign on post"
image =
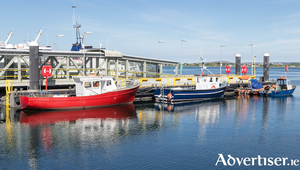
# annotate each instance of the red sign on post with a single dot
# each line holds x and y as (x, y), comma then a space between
(227, 69)
(244, 69)
(47, 72)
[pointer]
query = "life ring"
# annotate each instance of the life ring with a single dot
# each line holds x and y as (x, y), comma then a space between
(213, 87)
(169, 96)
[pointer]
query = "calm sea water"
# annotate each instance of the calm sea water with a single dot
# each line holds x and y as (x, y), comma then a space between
(155, 136)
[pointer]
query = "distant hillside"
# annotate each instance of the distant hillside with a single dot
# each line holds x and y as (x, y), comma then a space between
(210, 64)
(248, 64)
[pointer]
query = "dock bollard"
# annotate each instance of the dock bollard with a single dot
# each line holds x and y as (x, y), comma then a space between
(238, 64)
(34, 73)
(266, 66)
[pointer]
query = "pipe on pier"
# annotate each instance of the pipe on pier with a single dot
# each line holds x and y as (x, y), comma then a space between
(34, 66)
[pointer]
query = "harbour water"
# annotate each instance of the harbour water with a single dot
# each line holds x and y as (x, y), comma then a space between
(157, 136)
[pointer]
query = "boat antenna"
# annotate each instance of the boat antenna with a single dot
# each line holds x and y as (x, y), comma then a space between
(202, 72)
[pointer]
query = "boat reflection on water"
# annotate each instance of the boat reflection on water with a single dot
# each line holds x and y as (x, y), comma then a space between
(49, 117)
(205, 112)
(99, 127)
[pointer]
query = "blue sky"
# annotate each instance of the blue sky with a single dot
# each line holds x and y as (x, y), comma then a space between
(134, 27)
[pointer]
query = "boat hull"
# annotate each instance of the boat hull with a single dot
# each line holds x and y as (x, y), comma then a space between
(187, 95)
(278, 93)
(101, 100)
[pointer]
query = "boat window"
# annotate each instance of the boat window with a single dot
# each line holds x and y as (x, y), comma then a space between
(87, 84)
(96, 83)
(108, 83)
(211, 80)
(217, 79)
(281, 82)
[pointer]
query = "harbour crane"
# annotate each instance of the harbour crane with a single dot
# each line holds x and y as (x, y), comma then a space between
(6, 41)
(38, 36)
(9, 35)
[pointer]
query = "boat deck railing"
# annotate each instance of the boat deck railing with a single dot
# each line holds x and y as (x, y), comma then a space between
(179, 80)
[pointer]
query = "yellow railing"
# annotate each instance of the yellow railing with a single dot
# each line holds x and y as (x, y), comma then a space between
(9, 89)
(158, 79)
(121, 81)
(181, 81)
(173, 81)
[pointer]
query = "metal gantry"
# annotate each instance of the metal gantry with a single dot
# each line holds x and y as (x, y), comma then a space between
(15, 65)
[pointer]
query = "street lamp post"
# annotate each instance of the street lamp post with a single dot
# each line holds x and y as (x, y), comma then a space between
(84, 64)
(221, 58)
(181, 57)
(252, 59)
(57, 40)
(74, 23)
(158, 47)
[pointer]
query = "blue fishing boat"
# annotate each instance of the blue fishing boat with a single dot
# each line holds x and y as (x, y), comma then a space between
(207, 88)
(283, 87)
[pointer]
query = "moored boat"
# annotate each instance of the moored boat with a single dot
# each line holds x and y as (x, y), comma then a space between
(91, 91)
(207, 88)
(283, 87)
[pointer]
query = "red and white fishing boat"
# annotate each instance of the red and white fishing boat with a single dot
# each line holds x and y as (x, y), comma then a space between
(91, 91)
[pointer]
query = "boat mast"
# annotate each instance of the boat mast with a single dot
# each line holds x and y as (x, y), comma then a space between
(73, 20)
(201, 65)
(76, 27)
(286, 70)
